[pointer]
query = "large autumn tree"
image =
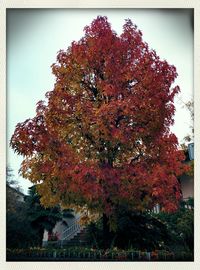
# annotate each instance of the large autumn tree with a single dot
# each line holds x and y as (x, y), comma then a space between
(102, 138)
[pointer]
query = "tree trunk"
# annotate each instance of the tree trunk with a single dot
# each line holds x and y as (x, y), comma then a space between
(106, 232)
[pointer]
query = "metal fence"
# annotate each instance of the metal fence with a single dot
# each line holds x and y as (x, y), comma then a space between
(95, 255)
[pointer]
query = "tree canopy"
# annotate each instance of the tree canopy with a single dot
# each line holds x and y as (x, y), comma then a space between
(102, 137)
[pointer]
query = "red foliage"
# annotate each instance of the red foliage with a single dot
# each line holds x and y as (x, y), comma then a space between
(53, 236)
(103, 137)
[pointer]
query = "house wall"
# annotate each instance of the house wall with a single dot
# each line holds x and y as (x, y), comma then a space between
(187, 186)
(60, 227)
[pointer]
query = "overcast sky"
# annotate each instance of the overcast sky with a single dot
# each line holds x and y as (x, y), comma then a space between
(34, 36)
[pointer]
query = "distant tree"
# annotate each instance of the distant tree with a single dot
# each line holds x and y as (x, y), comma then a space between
(19, 232)
(26, 220)
(11, 181)
(189, 138)
(103, 138)
(13, 190)
(190, 107)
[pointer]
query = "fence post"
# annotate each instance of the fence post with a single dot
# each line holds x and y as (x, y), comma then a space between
(139, 255)
(54, 254)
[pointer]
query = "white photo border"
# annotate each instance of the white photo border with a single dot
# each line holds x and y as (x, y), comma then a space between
(4, 4)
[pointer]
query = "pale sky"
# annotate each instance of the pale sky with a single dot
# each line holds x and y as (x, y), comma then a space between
(34, 36)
